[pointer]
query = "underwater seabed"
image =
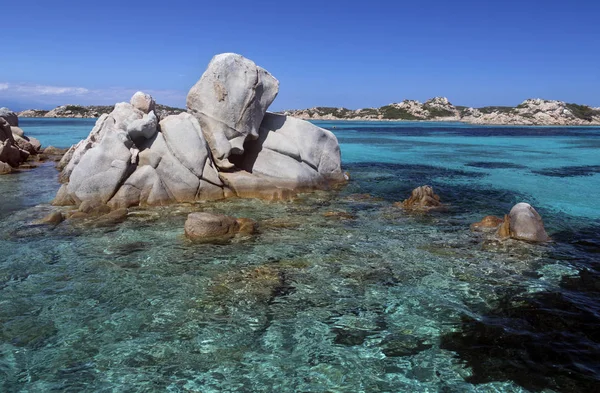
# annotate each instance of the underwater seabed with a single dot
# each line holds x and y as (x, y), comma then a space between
(367, 298)
(373, 300)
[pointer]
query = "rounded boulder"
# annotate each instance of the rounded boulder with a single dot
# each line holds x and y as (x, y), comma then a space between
(207, 227)
(526, 224)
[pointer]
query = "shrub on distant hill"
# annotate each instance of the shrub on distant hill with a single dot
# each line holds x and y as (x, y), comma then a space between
(438, 112)
(368, 112)
(499, 109)
(583, 111)
(394, 113)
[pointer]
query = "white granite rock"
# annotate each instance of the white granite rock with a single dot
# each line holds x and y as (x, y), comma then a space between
(143, 102)
(230, 100)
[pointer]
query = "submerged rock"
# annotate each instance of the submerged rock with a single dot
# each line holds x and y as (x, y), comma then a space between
(207, 227)
(421, 198)
(247, 226)
(340, 215)
(54, 218)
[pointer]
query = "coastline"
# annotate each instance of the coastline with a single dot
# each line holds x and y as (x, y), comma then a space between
(456, 122)
(399, 121)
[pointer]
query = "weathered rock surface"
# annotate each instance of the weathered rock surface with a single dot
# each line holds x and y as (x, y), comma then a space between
(421, 198)
(128, 159)
(488, 223)
(293, 153)
(526, 224)
(54, 218)
(208, 227)
(230, 100)
(5, 168)
(144, 128)
(15, 146)
(10, 116)
(522, 223)
(143, 102)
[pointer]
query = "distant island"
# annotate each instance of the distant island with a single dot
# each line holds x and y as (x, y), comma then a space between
(529, 112)
(91, 111)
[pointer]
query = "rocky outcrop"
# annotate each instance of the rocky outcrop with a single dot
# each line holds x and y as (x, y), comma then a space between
(230, 100)
(11, 117)
(15, 146)
(143, 102)
(33, 113)
(296, 153)
(525, 223)
(535, 112)
(522, 223)
(226, 146)
(421, 199)
(529, 112)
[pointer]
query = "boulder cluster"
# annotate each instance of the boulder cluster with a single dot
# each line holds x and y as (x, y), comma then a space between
(15, 147)
(522, 223)
(225, 145)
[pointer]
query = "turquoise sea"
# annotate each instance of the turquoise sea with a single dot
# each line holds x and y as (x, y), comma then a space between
(374, 300)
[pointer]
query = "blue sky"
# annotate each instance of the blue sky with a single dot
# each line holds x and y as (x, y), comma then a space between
(324, 53)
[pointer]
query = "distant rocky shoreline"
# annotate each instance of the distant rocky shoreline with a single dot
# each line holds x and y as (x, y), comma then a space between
(91, 111)
(535, 112)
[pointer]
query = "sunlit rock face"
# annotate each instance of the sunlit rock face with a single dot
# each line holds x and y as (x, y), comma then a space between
(225, 145)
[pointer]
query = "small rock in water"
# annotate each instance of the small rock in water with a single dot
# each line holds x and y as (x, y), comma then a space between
(54, 218)
(421, 198)
(488, 223)
(207, 227)
(114, 217)
(247, 226)
(522, 223)
(526, 224)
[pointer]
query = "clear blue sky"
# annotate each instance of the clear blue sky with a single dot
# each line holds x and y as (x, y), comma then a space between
(324, 53)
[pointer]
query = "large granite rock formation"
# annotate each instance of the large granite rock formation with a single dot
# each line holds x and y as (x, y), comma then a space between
(15, 147)
(226, 145)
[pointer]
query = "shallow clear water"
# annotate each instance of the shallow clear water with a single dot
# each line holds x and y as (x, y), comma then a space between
(383, 301)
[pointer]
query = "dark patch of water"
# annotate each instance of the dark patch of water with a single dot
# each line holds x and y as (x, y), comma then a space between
(495, 165)
(480, 131)
(546, 340)
(569, 171)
